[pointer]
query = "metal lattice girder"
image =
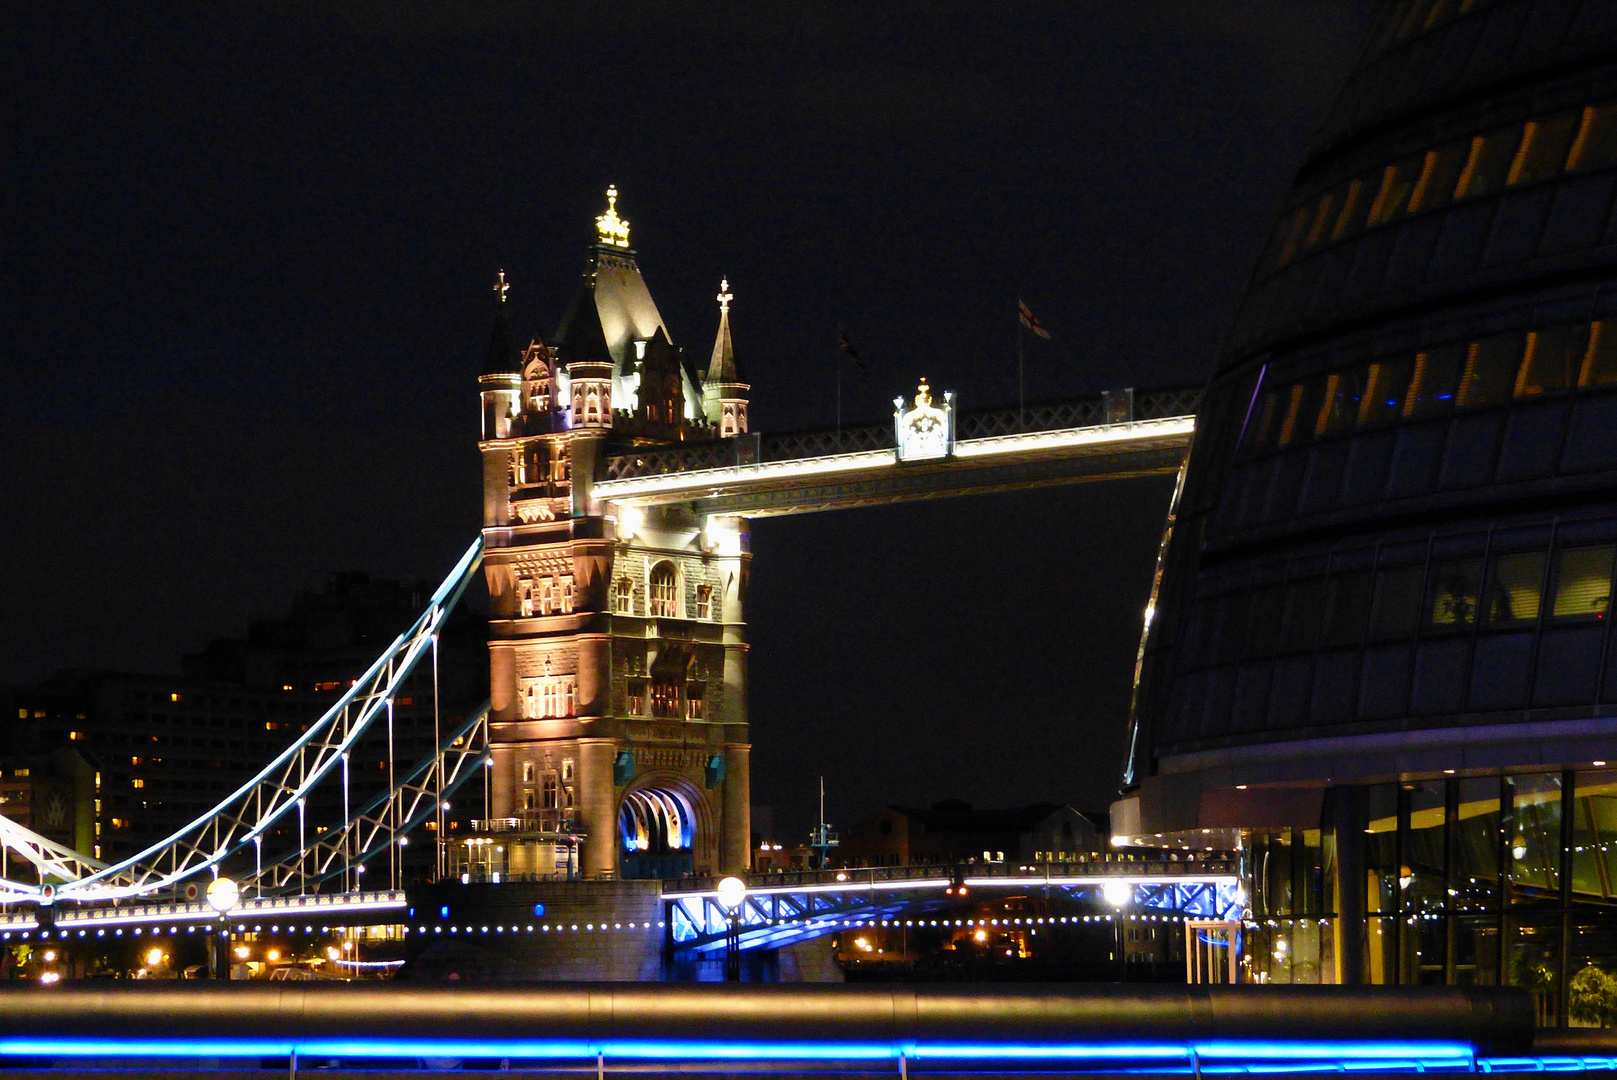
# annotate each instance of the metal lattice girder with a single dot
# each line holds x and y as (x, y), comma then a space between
(281, 786)
(366, 834)
(53, 861)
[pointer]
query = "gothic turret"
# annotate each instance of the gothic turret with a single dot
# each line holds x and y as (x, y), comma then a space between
(501, 378)
(724, 391)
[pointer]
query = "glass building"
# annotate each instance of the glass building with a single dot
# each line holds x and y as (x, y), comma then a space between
(1379, 652)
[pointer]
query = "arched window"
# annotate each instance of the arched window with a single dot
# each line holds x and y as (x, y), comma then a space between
(664, 591)
(592, 406)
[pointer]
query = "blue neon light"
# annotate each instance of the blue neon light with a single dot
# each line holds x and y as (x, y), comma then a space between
(1336, 1054)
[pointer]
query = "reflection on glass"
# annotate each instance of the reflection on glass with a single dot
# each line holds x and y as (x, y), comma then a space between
(1452, 592)
(1534, 964)
(1535, 845)
(1596, 144)
(1594, 837)
(1263, 628)
(1583, 582)
(1397, 603)
(1600, 362)
(1431, 392)
(1515, 586)
(1440, 173)
(1485, 169)
(1553, 354)
(1543, 149)
(1265, 423)
(1397, 181)
(1344, 394)
(1474, 877)
(1384, 397)
(1381, 850)
(1490, 370)
(1354, 205)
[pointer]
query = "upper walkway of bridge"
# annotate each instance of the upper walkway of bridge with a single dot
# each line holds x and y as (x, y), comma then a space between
(1112, 434)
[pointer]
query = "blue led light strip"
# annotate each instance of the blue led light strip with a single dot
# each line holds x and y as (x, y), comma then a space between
(1344, 1054)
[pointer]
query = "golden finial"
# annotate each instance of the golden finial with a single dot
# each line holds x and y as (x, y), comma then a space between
(923, 394)
(501, 287)
(724, 296)
(609, 228)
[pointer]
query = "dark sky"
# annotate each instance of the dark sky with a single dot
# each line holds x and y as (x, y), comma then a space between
(245, 258)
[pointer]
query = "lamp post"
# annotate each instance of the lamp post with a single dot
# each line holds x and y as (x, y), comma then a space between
(1118, 894)
(223, 895)
(732, 894)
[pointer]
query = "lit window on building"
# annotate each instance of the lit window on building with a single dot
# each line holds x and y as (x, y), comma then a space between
(664, 591)
(623, 596)
(704, 601)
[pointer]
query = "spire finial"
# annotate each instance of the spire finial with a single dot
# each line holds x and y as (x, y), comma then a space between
(610, 229)
(501, 287)
(725, 296)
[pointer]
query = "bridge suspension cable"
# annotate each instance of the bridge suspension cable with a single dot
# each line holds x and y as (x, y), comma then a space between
(376, 825)
(280, 788)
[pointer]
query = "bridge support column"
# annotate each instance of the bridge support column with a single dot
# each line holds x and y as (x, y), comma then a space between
(597, 807)
(735, 856)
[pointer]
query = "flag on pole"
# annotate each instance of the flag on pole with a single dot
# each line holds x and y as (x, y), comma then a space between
(847, 347)
(1029, 321)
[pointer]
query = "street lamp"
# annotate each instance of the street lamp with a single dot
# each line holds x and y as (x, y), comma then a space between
(732, 894)
(223, 895)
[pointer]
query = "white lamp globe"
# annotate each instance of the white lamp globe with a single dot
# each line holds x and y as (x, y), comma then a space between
(222, 894)
(732, 890)
(1117, 893)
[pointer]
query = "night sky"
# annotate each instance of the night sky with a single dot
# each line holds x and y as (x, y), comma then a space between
(246, 252)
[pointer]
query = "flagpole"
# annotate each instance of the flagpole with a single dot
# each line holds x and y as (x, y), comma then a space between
(1019, 403)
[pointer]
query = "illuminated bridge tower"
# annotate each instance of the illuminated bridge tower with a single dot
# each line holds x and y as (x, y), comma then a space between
(617, 646)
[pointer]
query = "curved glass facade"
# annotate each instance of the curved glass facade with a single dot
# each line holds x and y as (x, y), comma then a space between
(1391, 566)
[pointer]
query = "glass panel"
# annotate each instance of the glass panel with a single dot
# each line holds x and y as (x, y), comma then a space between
(1347, 610)
(1535, 964)
(1397, 602)
(1344, 395)
(1490, 371)
(1381, 850)
(1265, 423)
(1437, 373)
(1474, 879)
(1301, 410)
(1515, 586)
(1304, 613)
(1384, 398)
(1596, 144)
(1535, 845)
(1583, 582)
(1423, 876)
(1324, 217)
(1600, 362)
(1354, 207)
(1552, 356)
(1295, 228)
(1263, 628)
(1397, 181)
(1381, 950)
(1476, 951)
(1452, 594)
(1594, 837)
(1440, 174)
(1543, 149)
(1490, 159)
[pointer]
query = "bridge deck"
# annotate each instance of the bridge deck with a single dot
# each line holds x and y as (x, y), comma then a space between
(998, 450)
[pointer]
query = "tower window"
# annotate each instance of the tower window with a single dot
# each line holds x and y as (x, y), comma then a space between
(527, 772)
(704, 601)
(623, 596)
(664, 591)
(665, 699)
(693, 701)
(549, 791)
(566, 591)
(525, 597)
(637, 698)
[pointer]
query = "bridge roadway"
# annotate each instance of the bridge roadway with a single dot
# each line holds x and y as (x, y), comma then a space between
(779, 909)
(1113, 435)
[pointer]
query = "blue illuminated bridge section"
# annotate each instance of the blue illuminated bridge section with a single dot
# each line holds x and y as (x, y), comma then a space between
(781, 909)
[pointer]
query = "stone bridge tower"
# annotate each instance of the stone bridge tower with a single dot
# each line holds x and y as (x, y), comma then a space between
(617, 643)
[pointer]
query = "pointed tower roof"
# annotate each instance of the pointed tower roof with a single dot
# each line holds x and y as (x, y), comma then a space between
(723, 368)
(503, 358)
(580, 336)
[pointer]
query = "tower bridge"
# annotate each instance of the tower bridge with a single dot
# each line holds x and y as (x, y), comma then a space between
(619, 477)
